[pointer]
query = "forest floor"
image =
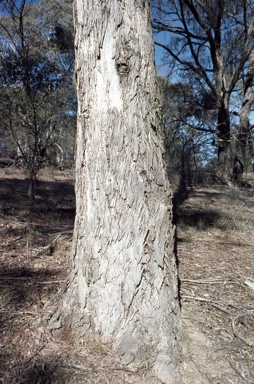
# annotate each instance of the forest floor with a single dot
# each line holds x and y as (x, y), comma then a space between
(215, 250)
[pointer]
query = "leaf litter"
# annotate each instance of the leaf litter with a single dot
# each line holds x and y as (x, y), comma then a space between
(215, 251)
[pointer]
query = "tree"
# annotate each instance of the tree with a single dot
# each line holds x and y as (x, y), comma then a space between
(188, 128)
(36, 70)
(244, 139)
(122, 287)
(211, 42)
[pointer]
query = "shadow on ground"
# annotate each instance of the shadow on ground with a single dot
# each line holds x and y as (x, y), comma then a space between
(37, 371)
(33, 267)
(23, 297)
(192, 213)
(21, 286)
(201, 219)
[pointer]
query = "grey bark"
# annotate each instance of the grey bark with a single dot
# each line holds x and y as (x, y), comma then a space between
(244, 132)
(123, 281)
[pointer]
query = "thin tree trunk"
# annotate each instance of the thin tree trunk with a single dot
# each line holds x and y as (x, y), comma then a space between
(224, 143)
(251, 150)
(123, 282)
(31, 185)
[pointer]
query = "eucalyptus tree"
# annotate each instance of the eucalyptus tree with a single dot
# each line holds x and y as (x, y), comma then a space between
(210, 42)
(36, 70)
(189, 129)
(122, 288)
(244, 146)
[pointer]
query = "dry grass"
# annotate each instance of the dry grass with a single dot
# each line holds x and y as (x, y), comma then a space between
(215, 254)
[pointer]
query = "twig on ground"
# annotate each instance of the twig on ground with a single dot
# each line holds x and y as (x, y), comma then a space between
(209, 302)
(216, 280)
(96, 369)
(238, 334)
(217, 306)
(9, 242)
(240, 371)
(30, 358)
(125, 369)
(51, 282)
(234, 320)
(78, 367)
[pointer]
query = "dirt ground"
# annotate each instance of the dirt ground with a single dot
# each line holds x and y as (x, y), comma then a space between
(215, 250)
(216, 271)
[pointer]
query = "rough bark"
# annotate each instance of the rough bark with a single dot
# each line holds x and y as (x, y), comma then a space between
(123, 281)
(244, 132)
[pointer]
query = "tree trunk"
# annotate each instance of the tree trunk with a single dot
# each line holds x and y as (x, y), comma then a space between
(244, 133)
(123, 281)
(31, 184)
(224, 144)
(224, 169)
(251, 150)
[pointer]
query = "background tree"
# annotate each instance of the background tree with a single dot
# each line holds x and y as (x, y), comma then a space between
(189, 131)
(122, 288)
(209, 42)
(244, 147)
(36, 69)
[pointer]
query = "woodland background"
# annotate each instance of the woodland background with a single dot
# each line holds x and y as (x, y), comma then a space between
(213, 209)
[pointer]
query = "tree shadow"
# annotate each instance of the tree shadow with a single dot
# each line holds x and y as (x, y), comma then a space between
(39, 370)
(21, 286)
(201, 219)
(10, 187)
(179, 197)
(211, 216)
(55, 201)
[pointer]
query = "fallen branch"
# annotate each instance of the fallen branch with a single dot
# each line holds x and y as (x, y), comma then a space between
(209, 302)
(234, 320)
(78, 367)
(96, 369)
(30, 277)
(216, 280)
(51, 282)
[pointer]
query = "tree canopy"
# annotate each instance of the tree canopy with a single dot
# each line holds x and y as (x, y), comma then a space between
(209, 46)
(38, 100)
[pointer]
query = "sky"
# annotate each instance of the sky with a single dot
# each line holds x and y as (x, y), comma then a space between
(162, 69)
